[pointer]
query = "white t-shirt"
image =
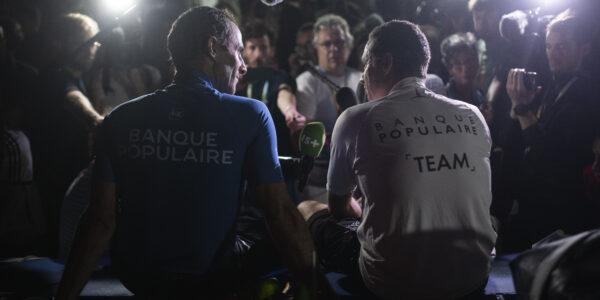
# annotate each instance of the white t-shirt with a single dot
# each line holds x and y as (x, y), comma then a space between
(314, 98)
(422, 163)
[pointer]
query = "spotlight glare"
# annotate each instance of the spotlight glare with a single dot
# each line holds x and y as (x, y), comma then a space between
(118, 7)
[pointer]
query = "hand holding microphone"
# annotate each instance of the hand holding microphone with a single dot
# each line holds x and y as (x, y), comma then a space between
(310, 142)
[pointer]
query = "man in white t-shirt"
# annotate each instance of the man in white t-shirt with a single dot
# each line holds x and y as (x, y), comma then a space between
(315, 98)
(421, 161)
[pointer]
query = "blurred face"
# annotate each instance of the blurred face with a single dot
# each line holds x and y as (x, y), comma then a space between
(463, 67)
(304, 47)
(229, 64)
(84, 58)
(564, 54)
(258, 51)
(332, 50)
(487, 24)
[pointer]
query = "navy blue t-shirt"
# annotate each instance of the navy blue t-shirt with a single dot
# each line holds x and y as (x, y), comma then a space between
(178, 158)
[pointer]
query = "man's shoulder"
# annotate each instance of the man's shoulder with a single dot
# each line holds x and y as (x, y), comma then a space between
(307, 77)
(450, 102)
(243, 103)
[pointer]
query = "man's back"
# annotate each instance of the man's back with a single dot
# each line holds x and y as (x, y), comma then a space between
(178, 168)
(422, 162)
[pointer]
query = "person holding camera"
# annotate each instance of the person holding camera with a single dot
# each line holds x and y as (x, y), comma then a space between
(557, 128)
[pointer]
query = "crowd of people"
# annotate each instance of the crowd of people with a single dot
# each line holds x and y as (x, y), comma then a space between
(474, 131)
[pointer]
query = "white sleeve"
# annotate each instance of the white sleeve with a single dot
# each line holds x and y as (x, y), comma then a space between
(306, 98)
(341, 179)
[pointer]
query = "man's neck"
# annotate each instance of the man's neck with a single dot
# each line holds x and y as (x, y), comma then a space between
(464, 91)
(337, 72)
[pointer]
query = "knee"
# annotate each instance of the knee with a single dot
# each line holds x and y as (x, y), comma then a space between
(309, 207)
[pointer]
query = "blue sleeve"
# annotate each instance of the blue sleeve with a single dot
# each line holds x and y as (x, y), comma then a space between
(261, 159)
(103, 170)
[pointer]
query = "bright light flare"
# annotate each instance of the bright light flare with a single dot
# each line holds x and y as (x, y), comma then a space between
(549, 3)
(119, 7)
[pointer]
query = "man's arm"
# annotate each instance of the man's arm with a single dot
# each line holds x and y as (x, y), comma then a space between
(81, 107)
(286, 102)
(288, 228)
(93, 235)
(344, 206)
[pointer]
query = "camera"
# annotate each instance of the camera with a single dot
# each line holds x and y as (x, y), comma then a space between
(530, 80)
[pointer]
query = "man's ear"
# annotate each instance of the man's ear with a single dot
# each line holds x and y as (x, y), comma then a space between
(211, 47)
(386, 64)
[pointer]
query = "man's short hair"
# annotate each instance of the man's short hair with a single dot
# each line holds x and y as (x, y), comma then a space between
(256, 30)
(74, 25)
(456, 43)
(405, 42)
(579, 29)
(331, 21)
(192, 29)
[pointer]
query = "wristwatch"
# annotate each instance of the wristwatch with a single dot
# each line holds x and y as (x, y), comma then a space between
(521, 109)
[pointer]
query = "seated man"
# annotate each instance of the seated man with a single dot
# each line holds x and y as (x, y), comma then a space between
(422, 163)
(169, 173)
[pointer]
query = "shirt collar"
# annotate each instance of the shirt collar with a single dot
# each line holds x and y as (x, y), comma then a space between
(409, 84)
(194, 78)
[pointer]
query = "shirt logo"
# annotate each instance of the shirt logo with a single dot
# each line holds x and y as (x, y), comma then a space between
(176, 114)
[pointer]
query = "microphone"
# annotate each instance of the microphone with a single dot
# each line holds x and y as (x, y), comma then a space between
(311, 142)
(345, 98)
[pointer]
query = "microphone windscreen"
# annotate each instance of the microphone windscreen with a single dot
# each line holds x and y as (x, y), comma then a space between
(345, 98)
(312, 139)
(512, 25)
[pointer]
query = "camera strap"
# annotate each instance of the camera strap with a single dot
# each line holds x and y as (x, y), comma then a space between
(561, 93)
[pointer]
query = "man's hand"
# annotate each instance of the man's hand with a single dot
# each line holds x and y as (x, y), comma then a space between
(520, 95)
(294, 120)
(344, 206)
(516, 89)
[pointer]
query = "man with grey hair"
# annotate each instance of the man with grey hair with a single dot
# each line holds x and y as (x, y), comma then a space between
(423, 229)
(315, 98)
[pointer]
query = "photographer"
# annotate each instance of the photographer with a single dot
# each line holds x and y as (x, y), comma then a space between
(557, 127)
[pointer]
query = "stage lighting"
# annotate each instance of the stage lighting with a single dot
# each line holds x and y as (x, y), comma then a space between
(119, 7)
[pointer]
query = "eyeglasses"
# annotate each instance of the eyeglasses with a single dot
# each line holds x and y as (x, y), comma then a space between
(338, 44)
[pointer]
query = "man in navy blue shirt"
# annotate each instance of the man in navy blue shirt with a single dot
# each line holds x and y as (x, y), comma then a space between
(169, 174)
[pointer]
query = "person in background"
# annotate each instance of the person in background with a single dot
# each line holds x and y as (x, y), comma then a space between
(459, 55)
(304, 51)
(63, 118)
(273, 87)
(557, 128)
(316, 98)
